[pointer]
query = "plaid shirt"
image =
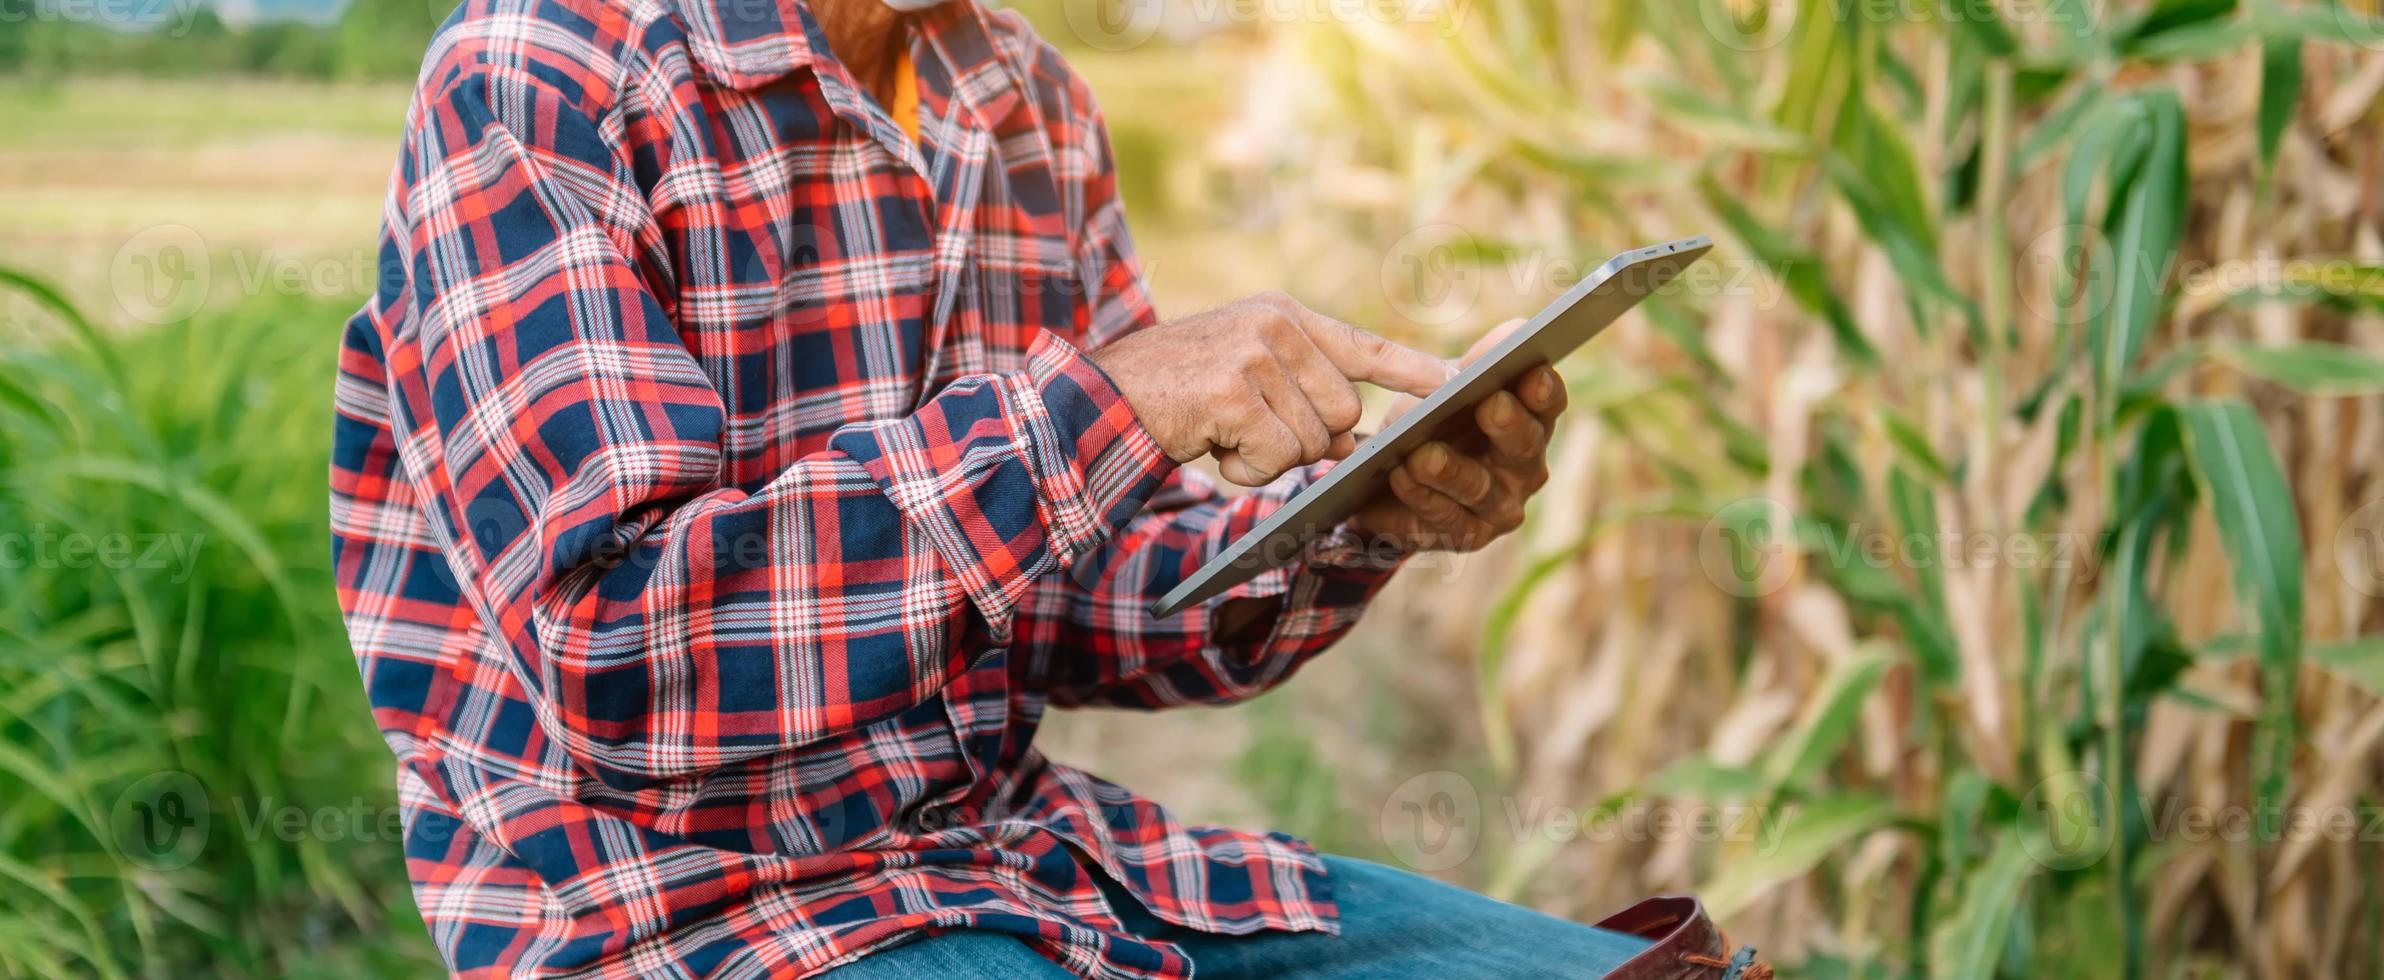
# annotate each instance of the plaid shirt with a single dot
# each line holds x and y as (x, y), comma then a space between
(720, 497)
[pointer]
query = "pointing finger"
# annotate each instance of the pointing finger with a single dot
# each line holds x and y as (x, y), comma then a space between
(1363, 356)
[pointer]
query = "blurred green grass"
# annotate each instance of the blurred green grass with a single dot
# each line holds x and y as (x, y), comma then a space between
(85, 113)
(176, 678)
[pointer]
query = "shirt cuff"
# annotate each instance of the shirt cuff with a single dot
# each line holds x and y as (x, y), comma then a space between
(1324, 592)
(1093, 464)
(1010, 477)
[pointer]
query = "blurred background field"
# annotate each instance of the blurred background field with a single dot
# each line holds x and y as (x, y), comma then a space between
(1976, 574)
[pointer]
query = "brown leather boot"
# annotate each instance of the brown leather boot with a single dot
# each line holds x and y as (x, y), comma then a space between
(1687, 944)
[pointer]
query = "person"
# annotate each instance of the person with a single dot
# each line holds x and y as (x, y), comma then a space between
(761, 421)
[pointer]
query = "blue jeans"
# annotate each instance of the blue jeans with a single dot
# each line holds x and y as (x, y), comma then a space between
(1393, 924)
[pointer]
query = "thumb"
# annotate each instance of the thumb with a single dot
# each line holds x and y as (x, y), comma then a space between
(1489, 340)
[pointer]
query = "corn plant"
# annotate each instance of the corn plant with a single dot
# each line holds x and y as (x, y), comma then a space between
(2008, 505)
(190, 780)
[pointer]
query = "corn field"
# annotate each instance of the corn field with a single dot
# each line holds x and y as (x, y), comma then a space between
(2001, 511)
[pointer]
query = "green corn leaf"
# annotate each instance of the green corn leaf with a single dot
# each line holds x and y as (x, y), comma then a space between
(2144, 227)
(1699, 777)
(2359, 661)
(1983, 23)
(1806, 834)
(1913, 444)
(1889, 171)
(2109, 146)
(2057, 126)
(2169, 18)
(2309, 367)
(2333, 21)
(1910, 248)
(2346, 284)
(2078, 24)
(2280, 90)
(1924, 614)
(1820, 63)
(1723, 122)
(1827, 722)
(1971, 942)
(1798, 268)
(2204, 41)
(2261, 534)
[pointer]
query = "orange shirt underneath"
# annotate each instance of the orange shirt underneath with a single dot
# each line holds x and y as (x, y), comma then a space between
(906, 97)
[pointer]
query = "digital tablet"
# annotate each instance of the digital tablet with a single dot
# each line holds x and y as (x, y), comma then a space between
(1571, 321)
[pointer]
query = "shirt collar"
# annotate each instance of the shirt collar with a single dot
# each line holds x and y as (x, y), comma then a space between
(746, 44)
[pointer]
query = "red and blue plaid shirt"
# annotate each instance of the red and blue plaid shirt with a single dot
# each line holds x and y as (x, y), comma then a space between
(721, 497)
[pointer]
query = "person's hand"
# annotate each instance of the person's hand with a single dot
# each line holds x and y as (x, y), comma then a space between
(1462, 492)
(1265, 384)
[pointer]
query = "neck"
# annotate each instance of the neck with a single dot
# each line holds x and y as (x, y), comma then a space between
(867, 36)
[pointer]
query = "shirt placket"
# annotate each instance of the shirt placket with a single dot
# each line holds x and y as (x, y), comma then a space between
(945, 172)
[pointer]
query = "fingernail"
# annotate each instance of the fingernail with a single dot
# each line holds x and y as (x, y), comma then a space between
(1436, 460)
(1502, 411)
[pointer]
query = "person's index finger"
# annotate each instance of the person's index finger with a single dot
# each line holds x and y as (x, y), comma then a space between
(1368, 357)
